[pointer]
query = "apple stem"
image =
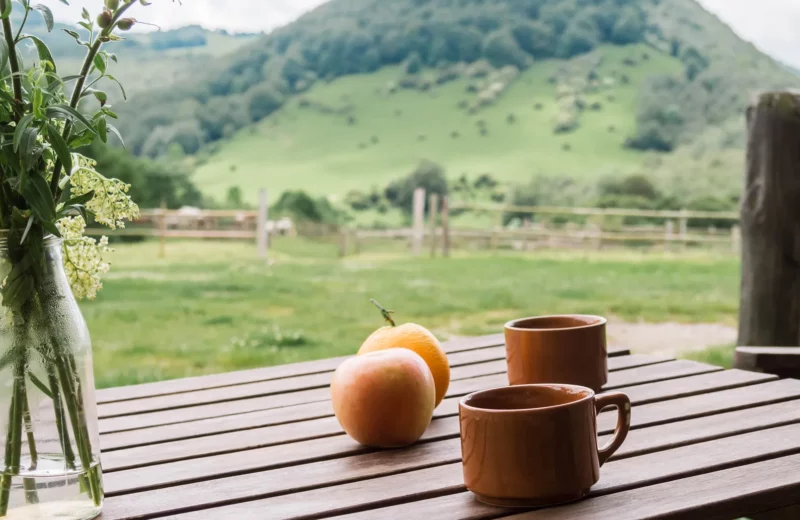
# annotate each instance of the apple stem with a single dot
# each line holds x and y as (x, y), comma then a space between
(387, 315)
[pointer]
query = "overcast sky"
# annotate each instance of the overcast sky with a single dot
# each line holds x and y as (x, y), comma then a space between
(773, 25)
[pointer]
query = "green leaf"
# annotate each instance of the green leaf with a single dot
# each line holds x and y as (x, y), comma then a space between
(40, 385)
(113, 130)
(37, 194)
(67, 112)
(38, 98)
(102, 97)
(86, 25)
(122, 89)
(60, 148)
(80, 199)
(7, 11)
(42, 49)
(3, 53)
(85, 14)
(102, 129)
(22, 127)
(47, 14)
(100, 63)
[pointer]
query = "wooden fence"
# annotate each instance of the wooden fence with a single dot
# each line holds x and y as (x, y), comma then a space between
(674, 233)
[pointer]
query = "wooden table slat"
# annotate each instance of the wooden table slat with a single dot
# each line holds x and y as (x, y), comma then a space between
(617, 476)
(189, 384)
(458, 387)
(640, 394)
(316, 428)
(330, 447)
(725, 494)
(383, 463)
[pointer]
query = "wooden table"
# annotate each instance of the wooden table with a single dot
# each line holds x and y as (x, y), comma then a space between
(263, 444)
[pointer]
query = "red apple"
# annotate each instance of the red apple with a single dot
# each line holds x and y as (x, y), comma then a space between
(384, 399)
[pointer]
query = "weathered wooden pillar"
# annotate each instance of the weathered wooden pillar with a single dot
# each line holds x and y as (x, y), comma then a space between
(445, 226)
(433, 208)
(418, 230)
(769, 312)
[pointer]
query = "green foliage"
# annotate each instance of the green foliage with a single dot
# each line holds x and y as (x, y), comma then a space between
(501, 49)
(303, 208)
(428, 175)
(332, 41)
(659, 120)
(152, 182)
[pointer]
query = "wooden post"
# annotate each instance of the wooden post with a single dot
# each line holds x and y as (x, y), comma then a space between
(262, 233)
(769, 310)
(669, 234)
(684, 229)
(736, 239)
(356, 242)
(418, 234)
(433, 209)
(344, 236)
(445, 226)
(162, 233)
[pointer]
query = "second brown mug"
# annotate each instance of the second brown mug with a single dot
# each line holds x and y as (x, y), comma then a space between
(567, 349)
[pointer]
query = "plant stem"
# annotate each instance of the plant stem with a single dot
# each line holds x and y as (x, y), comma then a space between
(22, 25)
(31, 496)
(71, 385)
(13, 438)
(61, 419)
(16, 81)
(387, 315)
(88, 62)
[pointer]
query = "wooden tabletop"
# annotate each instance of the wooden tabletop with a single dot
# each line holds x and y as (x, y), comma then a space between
(264, 444)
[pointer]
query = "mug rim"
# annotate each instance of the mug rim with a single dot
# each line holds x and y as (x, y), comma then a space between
(512, 325)
(462, 403)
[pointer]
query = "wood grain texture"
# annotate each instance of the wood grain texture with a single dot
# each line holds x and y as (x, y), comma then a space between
(204, 464)
(190, 384)
(282, 400)
(383, 463)
(722, 494)
(707, 404)
(769, 309)
(116, 435)
(782, 361)
(442, 480)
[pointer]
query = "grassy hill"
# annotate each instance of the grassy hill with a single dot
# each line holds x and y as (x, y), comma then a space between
(357, 92)
(352, 133)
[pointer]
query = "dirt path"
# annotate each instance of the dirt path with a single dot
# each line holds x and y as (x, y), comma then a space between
(669, 338)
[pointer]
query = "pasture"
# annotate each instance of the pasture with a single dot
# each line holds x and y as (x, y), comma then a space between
(212, 306)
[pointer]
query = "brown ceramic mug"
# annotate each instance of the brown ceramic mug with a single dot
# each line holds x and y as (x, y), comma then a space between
(567, 349)
(536, 445)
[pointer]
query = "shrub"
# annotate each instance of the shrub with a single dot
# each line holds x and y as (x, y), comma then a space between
(374, 139)
(263, 100)
(428, 175)
(454, 134)
(413, 64)
(511, 119)
(485, 181)
(566, 147)
(302, 207)
(537, 106)
(501, 49)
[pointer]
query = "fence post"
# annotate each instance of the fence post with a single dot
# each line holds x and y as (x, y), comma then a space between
(418, 233)
(262, 233)
(433, 209)
(344, 235)
(669, 235)
(162, 231)
(684, 228)
(356, 242)
(445, 226)
(736, 239)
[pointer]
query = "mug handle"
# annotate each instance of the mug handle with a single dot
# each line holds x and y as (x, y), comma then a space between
(623, 404)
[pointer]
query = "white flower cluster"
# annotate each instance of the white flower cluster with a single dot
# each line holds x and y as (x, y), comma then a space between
(111, 204)
(83, 258)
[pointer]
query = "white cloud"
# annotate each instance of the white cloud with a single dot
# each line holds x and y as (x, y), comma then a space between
(770, 24)
(234, 15)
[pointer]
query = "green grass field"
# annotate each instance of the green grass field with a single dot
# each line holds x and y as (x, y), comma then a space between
(212, 307)
(302, 147)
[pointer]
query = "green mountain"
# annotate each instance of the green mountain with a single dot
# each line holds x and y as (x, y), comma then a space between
(158, 57)
(357, 92)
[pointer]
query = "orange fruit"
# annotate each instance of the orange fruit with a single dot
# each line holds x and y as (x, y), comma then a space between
(417, 339)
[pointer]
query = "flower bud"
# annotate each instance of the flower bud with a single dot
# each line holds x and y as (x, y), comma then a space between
(125, 24)
(104, 19)
(112, 4)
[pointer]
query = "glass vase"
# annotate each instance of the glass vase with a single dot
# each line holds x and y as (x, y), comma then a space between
(48, 413)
